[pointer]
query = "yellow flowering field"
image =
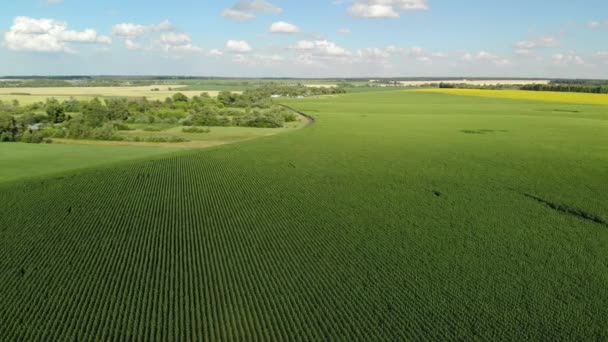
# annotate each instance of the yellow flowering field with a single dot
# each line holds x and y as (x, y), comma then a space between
(579, 98)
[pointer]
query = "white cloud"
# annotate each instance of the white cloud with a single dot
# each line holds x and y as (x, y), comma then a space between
(567, 59)
(416, 53)
(385, 8)
(344, 31)
(131, 45)
(543, 42)
(439, 55)
(258, 60)
(237, 15)
(178, 42)
(245, 10)
(373, 53)
(321, 48)
(284, 27)
(131, 30)
(215, 53)
(238, 46)
(596, 24)
(47, 35)
(175, 39)
(486, 57)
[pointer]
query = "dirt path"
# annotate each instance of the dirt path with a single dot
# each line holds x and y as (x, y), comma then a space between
(311, 120)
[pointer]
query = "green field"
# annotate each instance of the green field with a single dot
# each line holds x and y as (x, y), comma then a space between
(21, 161)
(399, 215)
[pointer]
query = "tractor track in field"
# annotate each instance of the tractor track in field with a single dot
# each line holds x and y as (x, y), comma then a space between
(568, 210)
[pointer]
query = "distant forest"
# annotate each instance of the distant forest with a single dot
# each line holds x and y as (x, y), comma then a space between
(571, 86)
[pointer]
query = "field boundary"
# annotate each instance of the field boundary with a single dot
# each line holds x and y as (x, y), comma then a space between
(310, 118)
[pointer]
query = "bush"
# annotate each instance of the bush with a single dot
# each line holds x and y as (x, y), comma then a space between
(167, 113)
(152, 129)
(196, 130)
(265, 121)
(179, 97)
(106, 132)
(53, 132)
(31, 137)
(6, 137)
(122, 127)
(155, 139)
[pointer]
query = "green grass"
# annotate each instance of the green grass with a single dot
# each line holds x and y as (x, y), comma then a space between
(398, 216)
(21, 161)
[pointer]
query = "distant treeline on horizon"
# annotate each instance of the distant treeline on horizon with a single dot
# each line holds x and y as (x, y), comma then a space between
(163, 78)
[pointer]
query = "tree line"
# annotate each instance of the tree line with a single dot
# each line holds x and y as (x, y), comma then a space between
(103, 119)
(594, 88)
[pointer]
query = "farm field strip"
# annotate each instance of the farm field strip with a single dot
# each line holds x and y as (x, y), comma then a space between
(547, 96)
(31, 95)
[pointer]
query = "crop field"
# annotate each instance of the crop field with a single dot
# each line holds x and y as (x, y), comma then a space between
(31, 95)
(399, 215)
(580, 98)
(22, 161)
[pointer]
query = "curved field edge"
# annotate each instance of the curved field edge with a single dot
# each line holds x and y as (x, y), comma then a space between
(545, 96)
(24, 162)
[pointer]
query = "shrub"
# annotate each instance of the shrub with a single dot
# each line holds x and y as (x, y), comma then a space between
(31, 137)
(156, 139)
(122, 127)
(265, 121)
(196, 130)
(152, 129)
(6, 137)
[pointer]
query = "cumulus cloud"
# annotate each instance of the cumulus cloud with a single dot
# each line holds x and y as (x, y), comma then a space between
(131, 45)
(245, 10)
(238, 46)
(596, 24)
(284, 27)
(321, 48)
(178, 42)
(543, 42)
(215, 53)
(385, 8)
(566, 59)
(131, 30)
(413, 53)
(47, 35)
(373, 53)
(486, 57)
(258, 59)
(175, 39)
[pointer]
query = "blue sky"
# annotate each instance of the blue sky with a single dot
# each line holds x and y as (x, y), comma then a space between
(313, 38)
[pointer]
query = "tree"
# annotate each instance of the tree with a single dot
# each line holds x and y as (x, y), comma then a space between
(179, 97)
(94, 113)
(117, 109)
(227, 98)
(72, 105)
(55, 110)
